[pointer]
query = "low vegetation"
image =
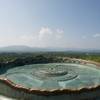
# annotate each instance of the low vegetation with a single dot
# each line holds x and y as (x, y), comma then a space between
(46, 57)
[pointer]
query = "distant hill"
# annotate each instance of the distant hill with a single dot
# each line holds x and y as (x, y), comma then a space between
(22, 48)
(18, 49)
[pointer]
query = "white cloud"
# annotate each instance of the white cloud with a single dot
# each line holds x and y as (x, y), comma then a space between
(45, 37)
(44, 32)
(47, 33)
(50, 37)
(96, 35)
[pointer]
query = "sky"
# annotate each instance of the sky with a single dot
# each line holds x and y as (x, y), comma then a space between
(50, 23)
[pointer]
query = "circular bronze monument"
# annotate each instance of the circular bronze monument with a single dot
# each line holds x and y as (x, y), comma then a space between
(52, 81)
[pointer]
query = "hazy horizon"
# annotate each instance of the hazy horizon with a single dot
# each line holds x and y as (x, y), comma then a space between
(50, 23)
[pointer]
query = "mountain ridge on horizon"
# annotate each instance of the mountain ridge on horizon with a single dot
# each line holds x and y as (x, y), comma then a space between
(25, 48)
